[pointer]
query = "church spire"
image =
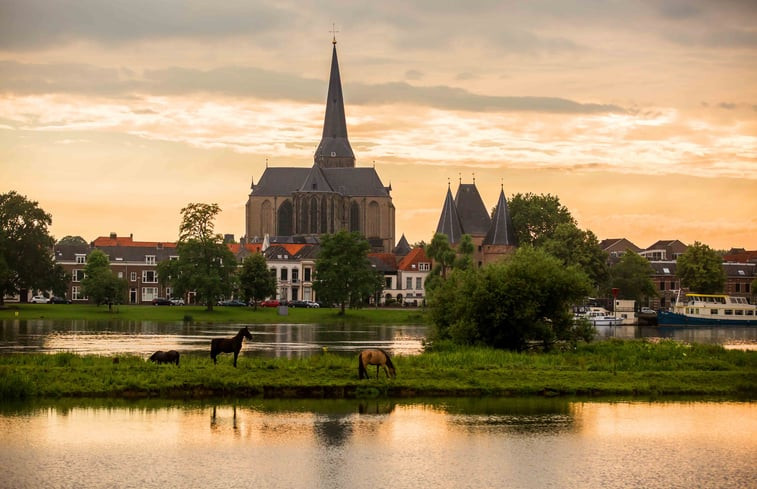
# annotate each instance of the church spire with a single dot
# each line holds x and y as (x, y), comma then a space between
(334, 151)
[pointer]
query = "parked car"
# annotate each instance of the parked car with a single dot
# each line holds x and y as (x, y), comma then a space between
(39, 299)
(161, 301)
(233, 303)
(270, 303)
(177, 301)
(299, 304)
(313, 304)
(59, 300)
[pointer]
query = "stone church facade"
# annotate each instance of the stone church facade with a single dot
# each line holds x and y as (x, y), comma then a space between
(330, 196)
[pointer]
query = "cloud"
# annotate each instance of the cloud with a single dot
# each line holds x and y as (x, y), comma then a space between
(21, 78)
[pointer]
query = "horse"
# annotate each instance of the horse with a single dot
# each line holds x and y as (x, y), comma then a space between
(170, 356)
(377, 357)
(229, 345)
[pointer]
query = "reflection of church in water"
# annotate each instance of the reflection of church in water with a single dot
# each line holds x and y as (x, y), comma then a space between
(332, 195)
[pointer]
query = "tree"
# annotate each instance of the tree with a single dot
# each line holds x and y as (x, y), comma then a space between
(574, 246)
(205, 265)
(72, 240)
(465, 249)
(536, 217)
(343, 273)
(700, 269)
(631, 276)
(100, 284)
(255, 280)
(507, 304)
(25, 247)
(442, 253)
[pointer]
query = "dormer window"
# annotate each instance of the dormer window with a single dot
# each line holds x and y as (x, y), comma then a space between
(150, 259)
(81, 258)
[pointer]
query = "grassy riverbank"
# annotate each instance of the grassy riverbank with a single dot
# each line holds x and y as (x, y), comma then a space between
(243, 315)
(608, 368)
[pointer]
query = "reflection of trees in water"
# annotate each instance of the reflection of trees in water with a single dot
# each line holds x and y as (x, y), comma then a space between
(332, 430)
(516, 415)
(375, 407)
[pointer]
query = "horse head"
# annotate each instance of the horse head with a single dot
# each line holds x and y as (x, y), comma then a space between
(246, 333)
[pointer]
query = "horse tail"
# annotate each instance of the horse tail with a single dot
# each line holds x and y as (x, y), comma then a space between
(360, 366)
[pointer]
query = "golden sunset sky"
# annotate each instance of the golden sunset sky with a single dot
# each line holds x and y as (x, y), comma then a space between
(641, 116)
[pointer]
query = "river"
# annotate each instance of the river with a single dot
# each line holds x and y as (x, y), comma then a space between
(446, 443)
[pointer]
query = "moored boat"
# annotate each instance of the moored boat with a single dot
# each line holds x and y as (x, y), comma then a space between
(709, 310)
(598, 316)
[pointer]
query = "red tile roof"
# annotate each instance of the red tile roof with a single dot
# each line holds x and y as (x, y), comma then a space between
(416, 255)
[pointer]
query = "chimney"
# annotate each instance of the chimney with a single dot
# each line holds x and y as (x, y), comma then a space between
(113, 235)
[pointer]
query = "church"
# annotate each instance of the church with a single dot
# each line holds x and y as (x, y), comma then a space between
(291, 203)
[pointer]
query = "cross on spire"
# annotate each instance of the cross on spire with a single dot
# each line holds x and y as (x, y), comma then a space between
(333, 32)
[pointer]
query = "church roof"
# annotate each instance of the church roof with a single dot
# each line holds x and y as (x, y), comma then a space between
(334, 143)
(356, 181)
(316, 181)
(470, 207)
(501, 231)
(352, 182)
(449, 221)
(280, 181)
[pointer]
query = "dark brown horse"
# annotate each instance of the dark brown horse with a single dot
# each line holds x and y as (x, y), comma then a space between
(377, 357)
(170, 356)
(229, 345)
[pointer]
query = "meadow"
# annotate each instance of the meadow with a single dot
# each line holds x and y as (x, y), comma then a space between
(627, 369)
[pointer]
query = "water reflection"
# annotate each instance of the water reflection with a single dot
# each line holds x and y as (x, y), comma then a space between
(384, 443)
(145, 337)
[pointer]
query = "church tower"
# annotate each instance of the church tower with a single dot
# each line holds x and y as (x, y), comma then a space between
(334, 151)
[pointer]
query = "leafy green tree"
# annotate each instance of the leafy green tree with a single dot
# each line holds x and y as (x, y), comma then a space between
(343, 273)
(442, 253)
(25, 247)
(465, 249)
(72, 240)
(100, 284)
(574, 246)
(536, 217)
(700, 269)
(255, 280)
(526, 297)
(632, 277)
(205, 265)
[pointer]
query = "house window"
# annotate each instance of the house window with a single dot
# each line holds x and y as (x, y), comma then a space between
(388, 282)
(295, 275)
(418, 283)
(133, 276)
(737, 287)
(77, 275)
(409, 283)
(120, 274)
(284, 274)
(169, 292)
(173, 257)
(150, 259)
(76, 293)
(424, 267)
(149, 277)
(149, 293)
(662, 285)
(307, 275)
(81, 258)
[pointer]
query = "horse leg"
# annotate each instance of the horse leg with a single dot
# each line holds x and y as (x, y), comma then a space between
(377, 371)
(236, 353)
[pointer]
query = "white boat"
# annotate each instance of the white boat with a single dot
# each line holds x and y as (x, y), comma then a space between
(709, 310)
(597, 316)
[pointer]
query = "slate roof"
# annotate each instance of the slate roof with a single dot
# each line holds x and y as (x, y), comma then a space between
(449, 221)
(354, 182)
(402, 248)
(280, 181)
(351, 182)
(316, 181)
(471, 209)
(501, 231)
(334, 143)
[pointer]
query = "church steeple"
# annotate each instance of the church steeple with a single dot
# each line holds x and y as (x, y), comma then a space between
(334, 151)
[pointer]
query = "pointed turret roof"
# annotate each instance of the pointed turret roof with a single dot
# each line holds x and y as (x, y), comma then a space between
(403, 247)
(471, 209)
(449, 221)
(334, 151)
(501, 231)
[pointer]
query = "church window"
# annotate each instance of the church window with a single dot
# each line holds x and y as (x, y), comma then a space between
(266, 218)
(355, 217)
(313, 216)
(304, 212)
(324, 216)
(285, 219)
(372, 224)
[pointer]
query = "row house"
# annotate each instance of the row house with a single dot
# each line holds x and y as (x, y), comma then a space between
(134, 261)
(293, 265)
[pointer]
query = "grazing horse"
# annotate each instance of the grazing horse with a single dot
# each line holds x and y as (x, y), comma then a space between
(377, 357)
(170, 356)
(229, 345)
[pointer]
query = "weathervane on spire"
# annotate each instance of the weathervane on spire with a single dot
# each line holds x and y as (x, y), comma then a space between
(333, 32)
(474, 178)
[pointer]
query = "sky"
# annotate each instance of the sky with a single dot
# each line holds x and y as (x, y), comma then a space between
(640, 116)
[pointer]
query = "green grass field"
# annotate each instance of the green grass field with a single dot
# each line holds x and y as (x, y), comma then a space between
(218, 315)
(609, 368)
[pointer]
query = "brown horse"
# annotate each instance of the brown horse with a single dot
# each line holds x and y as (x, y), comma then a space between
(229, 345)
(170, 356)
(377, 357)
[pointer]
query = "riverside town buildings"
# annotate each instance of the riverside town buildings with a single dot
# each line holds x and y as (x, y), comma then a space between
(290, 207)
